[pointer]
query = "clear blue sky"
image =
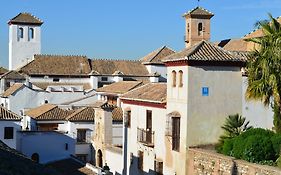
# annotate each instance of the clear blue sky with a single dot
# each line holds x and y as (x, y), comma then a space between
(127, 29)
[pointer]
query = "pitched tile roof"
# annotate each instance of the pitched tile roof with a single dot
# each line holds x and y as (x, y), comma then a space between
(14, 88)
(5, 114)
(151, 92)
(198, 11)
(70, 167)
(25, 18)
(234, 45)
(13, 162)
(3, 70)
(57, 65)
(258, 32)
(14, 75)
(47, 112)
(82, 114)
(117, 114)
(205, 51)
(157, 55)
(86, 86)
(123, 67)
(120, 87)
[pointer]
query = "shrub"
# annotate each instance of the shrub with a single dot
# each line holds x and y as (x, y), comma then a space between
(276, 142)
(227, 147)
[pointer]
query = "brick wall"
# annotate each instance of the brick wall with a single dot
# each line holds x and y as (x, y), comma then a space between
(203, 161)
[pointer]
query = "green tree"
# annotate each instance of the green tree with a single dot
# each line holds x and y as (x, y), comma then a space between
(264, 69)
(234, 125)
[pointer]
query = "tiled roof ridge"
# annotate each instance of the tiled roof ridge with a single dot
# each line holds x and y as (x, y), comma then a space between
(195, 8)
(27, 13)
(78, 111)
(108, 59)
(53, 107)
(60, 55)
(135, 89)
(10, 71)
(160, 50)
(11, 112)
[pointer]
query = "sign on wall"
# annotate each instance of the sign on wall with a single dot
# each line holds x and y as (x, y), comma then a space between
(205, 91)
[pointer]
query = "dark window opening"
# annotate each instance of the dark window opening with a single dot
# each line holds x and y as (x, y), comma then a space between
(81, 135)
(200, 28)
(104, 79)
(56, 80)
(174, 78)
(180, 78)
(140, 160)
(35, 157)
(8, 133)
(128, 119)
(176, 133)
(20, 33)
(31, 33)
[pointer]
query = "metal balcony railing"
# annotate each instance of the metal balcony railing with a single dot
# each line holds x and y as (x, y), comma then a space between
(146, 137)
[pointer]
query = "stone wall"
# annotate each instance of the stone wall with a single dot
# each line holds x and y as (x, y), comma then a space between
(203, 161)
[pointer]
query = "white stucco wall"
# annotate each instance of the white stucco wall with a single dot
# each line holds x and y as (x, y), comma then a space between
(161, 69)
(50, 146)
(255, 111)
(113, 160)
(117, 133)
(17, 127)
(138, 120)
(21, 50)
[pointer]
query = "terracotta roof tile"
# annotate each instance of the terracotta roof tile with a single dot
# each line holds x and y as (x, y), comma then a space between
(25, 18)
(234, 45)
(57, 65)
(14, 88)
(152, 92)
(13, 75)
(47, 112)
(82, 114)
(125, 67)
(157, 55)
(117, 114)
(120, 87)
(199, 11)
(3, 70)
(205, 51)
(5, 114)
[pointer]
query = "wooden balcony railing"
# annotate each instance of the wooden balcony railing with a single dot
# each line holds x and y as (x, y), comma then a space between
(146, 137)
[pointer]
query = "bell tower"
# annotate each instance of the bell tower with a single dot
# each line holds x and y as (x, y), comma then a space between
(24, 39)
(197, 27)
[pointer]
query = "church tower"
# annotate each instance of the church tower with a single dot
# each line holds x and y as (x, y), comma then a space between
(24, 39)
(197, 26)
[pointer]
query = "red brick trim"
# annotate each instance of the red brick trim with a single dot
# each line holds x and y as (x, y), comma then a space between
(144, 103)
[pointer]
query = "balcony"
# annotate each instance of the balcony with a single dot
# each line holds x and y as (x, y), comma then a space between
(146, 137)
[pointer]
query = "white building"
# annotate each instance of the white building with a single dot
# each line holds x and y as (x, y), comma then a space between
(24, 39)
(10, 124)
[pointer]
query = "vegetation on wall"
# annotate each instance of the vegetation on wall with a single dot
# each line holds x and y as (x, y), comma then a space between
(264, 69)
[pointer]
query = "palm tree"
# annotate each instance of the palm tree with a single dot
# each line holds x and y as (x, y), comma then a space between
(234, 125)
(264, 69)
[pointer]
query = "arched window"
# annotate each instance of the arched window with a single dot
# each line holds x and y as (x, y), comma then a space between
(35, 157)
(180, 78)
(200, 28)
(31, 33)
(188, 28)
(174, 78)
(20, 32)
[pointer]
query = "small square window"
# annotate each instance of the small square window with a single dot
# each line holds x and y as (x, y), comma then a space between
(8, 133)
(104, 78)
(56, 80)
(205, 91)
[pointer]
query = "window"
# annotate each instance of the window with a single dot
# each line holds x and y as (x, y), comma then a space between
(81, 135)
(35, 157)
(148, 126)
(200, 28)
(46, 101)
(176, 133)
(8, 133)
(128, 119)
(31, 33)
(174, 78)
(187, 28)
(180, 78)
(56, 79)
(140, 160)
(158, 167)
(104, 78)
(20, 33)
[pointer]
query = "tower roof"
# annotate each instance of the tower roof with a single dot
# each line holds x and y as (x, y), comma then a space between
(198, 11)
(25, 18)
